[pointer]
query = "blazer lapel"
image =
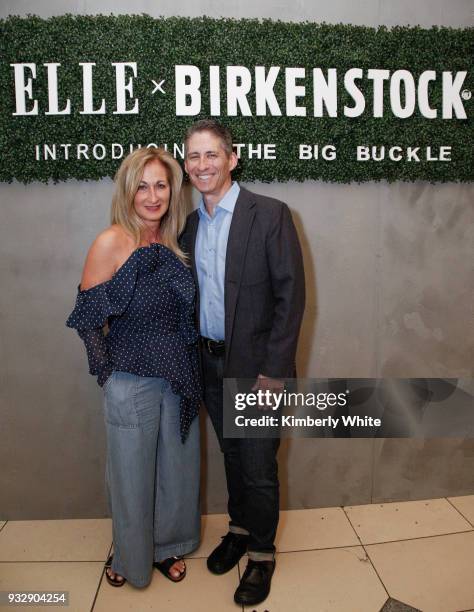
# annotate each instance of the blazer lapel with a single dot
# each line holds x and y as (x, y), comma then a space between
(193, 223)
(242, 219)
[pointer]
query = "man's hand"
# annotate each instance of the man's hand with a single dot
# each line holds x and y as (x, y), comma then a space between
(273, 385)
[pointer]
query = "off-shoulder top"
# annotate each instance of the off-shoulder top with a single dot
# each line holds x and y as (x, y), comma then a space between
(148, 306)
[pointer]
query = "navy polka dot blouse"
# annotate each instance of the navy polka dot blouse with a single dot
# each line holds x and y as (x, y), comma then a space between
(148, 306)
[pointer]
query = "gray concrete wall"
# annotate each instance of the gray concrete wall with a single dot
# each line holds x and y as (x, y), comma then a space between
(389, 290)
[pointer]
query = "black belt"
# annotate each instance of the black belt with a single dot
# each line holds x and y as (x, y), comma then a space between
(213, 347)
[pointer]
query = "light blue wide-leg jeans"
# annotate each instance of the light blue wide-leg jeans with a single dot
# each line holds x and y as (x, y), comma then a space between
(152, 477)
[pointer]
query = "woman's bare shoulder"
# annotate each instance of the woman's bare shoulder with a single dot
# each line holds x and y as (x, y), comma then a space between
(112, 238)
(105, 256)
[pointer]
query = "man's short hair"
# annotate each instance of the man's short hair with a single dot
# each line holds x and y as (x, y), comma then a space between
(213, 126)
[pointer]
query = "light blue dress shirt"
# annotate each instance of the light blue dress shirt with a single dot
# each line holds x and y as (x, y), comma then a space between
(210, 252)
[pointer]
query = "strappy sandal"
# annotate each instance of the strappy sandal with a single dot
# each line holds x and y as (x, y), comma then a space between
(112, 581)
(165, 566)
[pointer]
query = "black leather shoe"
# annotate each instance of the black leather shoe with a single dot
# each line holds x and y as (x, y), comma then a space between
(227, 554)
(255, 584)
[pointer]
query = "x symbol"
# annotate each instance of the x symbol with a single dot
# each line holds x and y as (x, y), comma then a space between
(158, 86)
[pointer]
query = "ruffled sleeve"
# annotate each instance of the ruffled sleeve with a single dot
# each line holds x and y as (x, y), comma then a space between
(93, 309)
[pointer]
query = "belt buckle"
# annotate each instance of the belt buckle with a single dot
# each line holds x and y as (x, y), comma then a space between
(209, 347)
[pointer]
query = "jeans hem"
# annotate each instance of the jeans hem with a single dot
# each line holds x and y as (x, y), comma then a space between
(238, 530)
(138, 582)
(175, 550)
(256, 555)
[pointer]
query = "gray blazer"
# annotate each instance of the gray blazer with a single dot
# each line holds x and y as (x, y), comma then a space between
(264, 290)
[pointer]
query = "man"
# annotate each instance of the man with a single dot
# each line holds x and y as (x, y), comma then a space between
(246, 260)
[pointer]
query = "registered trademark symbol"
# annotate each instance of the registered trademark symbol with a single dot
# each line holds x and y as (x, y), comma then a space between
(466, 94)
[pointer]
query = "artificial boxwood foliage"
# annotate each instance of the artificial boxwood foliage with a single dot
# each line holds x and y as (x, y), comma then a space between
(157, 45)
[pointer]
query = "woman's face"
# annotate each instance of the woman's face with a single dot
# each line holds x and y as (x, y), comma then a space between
(153, 194)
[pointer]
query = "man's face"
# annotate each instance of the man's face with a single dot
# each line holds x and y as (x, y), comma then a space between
(208, 165)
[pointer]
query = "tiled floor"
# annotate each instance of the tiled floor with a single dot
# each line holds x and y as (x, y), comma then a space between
(332, 559)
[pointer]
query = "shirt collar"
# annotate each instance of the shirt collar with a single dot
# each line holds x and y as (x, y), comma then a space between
(227, 203)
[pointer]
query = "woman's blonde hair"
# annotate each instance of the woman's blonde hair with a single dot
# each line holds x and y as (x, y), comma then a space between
(127, 180)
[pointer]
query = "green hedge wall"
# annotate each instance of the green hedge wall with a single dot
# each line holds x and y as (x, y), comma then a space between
(157, 45)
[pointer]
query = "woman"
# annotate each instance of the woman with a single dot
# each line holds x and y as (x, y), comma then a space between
(136, 282)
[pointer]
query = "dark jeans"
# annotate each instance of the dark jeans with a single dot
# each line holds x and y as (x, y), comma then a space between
(250, 465)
